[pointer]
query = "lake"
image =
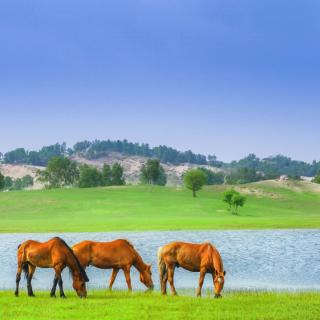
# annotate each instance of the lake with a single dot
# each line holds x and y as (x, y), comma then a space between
(257, 260)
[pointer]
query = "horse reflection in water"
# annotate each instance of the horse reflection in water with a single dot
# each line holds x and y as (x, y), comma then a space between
(203, 258)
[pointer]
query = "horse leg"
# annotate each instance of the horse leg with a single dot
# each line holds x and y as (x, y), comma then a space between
(54, 286)
(60, 282)
(58, 269)
(32, 269)
(164, 282)
(201, 279)
(170, 278)
(126, 271)
(113, 277)
(18, 278)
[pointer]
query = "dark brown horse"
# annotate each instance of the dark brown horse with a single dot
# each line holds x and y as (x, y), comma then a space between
(115, 255)
(55, 254)
(203, 258)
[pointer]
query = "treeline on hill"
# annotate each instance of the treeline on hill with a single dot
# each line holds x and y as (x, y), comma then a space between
(248, 169)
(99, 148)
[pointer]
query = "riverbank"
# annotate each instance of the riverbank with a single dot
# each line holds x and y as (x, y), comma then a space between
(123, 305)
(270, 205)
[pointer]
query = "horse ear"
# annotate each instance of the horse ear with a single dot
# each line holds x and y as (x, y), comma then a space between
(224, 272)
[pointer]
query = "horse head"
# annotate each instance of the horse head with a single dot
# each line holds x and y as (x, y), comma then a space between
(146, 277)
(218, 283)
(79, 284)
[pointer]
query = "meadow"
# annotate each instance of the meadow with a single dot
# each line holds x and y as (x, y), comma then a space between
(122, 305)
(269, 206)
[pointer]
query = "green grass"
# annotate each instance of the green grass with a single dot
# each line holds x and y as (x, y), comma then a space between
(122, 305)
(155, 208)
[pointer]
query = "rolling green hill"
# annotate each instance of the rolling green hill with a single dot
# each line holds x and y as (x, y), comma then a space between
(270, 204)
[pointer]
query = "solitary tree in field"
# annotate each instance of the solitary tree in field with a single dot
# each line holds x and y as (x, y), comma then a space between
(194, 180)
(238, 201)
(234, 199)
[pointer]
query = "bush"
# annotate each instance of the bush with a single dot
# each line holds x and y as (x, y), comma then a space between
(234, 199)
(89, 177)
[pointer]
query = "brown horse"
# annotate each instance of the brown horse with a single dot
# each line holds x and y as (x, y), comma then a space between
(117, 254)
(203, 258)
(55, 254)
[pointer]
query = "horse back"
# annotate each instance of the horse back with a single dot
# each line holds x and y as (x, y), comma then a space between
(112, 254)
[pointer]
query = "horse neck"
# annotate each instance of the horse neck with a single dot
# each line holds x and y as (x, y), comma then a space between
(72, 264)
(216, 260)
(139, 264)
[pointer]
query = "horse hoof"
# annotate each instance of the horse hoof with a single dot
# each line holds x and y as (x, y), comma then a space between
(16, 294)
(52, 295)
(63, 297)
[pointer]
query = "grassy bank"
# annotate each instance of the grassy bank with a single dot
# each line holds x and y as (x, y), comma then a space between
(157, 208)
(121, 305)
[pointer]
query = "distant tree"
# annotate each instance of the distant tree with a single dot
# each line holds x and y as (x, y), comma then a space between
(2, 181)
(17, 184)
(8, 182)
(16, 156)
(243, 175)
(81, 146)
(60, 172)
(162, 179)
(213, 177)
(117, 178)
(194, 180)
(234, 200)
(89, 177)
(106, 175)
(153, 173)
(26, 181)
(238, 200)
(316, 179)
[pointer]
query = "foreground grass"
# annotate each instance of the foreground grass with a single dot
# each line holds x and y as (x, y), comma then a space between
(155, 208)
(121, 305)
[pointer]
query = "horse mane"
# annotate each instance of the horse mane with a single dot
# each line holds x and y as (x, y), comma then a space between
(82, 271)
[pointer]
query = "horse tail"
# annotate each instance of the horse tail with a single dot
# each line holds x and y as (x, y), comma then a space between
(25, 268)
(21, 260)
(162, 267)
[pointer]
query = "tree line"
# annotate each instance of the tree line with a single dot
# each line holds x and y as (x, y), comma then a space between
(248, 169)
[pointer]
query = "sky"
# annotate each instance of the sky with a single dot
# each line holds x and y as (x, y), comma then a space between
(223, 77)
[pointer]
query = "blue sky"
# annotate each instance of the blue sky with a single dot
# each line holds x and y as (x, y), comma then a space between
(217, 77)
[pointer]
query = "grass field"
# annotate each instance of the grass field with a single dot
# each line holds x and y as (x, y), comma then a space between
(157, 208)
(122, 305)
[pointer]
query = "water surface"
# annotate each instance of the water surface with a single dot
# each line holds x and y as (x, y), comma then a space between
(262, 260)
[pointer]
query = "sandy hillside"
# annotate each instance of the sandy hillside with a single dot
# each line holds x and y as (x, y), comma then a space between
(132, 166)
(16, 171)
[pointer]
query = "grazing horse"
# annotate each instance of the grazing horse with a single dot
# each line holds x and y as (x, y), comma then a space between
(55, 254)
(117, 254)
(203, 258)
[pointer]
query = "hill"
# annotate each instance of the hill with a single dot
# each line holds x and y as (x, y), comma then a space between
(133, 164)
(271, 204)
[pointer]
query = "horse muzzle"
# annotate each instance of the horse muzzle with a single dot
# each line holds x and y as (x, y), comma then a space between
(216, 296)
